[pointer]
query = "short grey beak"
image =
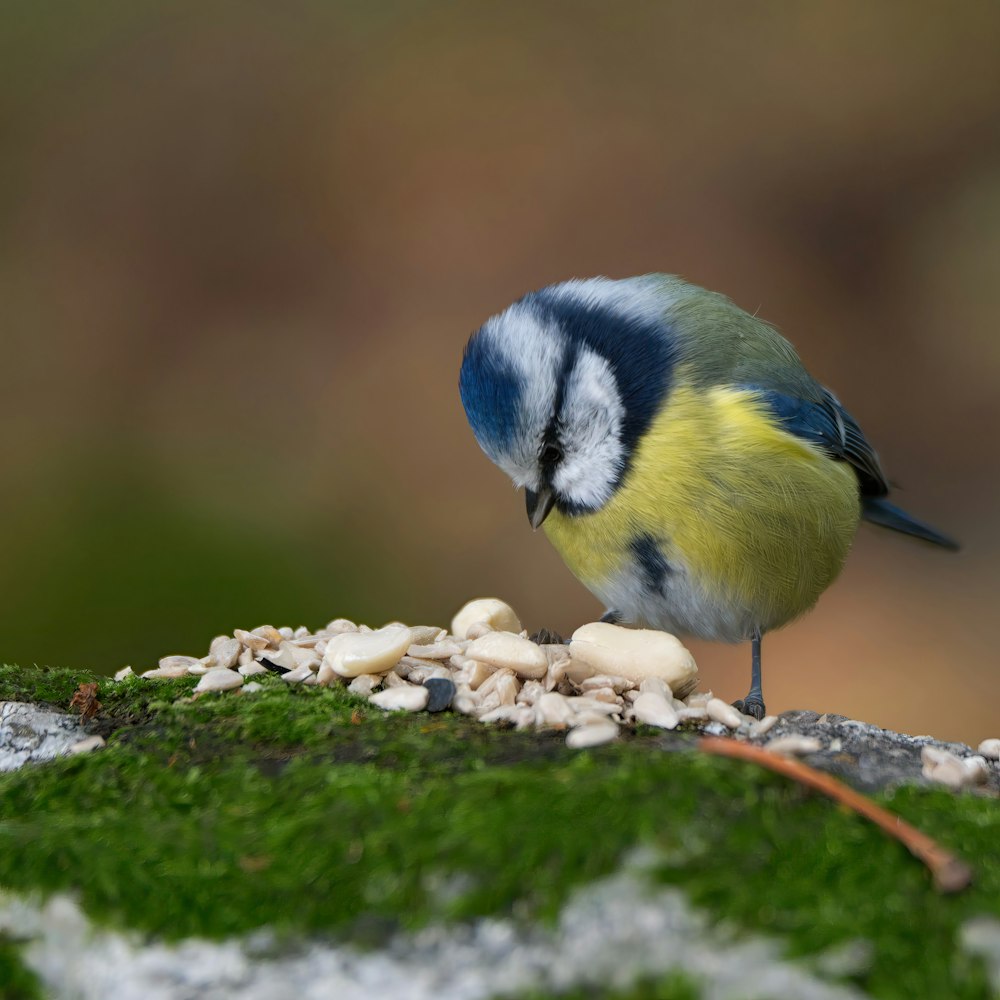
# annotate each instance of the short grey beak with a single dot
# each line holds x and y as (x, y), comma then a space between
(539, 504)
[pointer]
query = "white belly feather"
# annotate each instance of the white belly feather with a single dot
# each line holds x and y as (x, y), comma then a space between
(678, 605)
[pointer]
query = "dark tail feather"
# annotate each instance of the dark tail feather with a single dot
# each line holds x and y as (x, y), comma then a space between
(880, 511)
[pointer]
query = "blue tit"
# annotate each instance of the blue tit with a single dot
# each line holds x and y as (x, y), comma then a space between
(686, 466)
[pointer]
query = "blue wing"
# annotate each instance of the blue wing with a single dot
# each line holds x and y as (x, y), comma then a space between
(826, 423)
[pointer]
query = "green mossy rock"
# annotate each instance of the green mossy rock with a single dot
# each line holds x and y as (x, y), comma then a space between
(307, 811)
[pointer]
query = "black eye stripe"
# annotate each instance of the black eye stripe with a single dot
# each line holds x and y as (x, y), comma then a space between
(641, 352)
(551, 454)
(567, 365)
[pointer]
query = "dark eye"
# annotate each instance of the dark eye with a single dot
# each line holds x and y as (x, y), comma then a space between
(551, 455)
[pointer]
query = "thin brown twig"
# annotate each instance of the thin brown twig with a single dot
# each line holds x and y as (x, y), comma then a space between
(949, 872)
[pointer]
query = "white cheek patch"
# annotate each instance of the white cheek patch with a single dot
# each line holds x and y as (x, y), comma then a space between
(590, 428)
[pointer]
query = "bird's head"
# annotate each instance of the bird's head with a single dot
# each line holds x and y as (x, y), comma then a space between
(559, 387)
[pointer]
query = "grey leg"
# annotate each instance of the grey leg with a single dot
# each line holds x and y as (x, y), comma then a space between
(753, 703)
(611, 617)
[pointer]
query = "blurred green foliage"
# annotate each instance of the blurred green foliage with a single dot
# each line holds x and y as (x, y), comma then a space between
(131, 570)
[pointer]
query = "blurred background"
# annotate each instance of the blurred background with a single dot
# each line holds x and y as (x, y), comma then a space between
(242, 246)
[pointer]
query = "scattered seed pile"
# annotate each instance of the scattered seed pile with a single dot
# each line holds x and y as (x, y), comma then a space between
(485, 666)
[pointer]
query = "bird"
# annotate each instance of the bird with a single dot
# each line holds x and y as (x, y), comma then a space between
(688, 469)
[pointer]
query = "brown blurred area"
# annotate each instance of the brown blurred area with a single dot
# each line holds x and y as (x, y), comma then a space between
(242, 247)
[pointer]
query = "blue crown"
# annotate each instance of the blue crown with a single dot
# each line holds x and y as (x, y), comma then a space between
(491, 394)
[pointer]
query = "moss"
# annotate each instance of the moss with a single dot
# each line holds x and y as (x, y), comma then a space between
(674, 986)
(41, 684)
(304, 809)
(777, 859)
(16, 981)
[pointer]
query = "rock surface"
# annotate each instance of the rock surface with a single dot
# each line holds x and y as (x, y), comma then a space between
(868, 757)
(611, 931)
(29, 733)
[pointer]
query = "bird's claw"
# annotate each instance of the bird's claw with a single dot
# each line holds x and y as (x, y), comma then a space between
(753, 707)
(546, 637)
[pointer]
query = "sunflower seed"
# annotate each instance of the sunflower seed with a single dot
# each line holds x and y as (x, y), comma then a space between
(530, 692)
(484, 611)
(297, 676)
(165, 673)
(340, 625)
(353, 653)
(219, 679)
(762, 726)
(364, 684)
(617, 684)
(250, 640)
(224, 651)
(178, 662)
(592, 734)
(794, 745)
(426, 635)
(723, 712)
(504, 649)
(602, 648)
(86, 745)
(401, 699)
(655, 710)
(554, 710)
(437, 650)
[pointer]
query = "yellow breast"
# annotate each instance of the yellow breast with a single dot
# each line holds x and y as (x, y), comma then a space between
(759, 520)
